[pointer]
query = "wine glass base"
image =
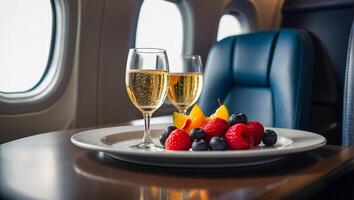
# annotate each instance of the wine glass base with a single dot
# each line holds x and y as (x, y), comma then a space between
(147, 147)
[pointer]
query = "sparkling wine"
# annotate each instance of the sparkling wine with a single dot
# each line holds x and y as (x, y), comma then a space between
(184, 89)
(147, 89)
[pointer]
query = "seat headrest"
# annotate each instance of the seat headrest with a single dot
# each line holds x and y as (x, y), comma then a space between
(252, 55)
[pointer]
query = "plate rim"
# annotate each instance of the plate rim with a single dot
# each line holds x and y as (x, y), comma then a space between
(188, 154)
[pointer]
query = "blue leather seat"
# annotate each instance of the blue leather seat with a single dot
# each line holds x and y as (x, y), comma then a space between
(348, 100)
(266, 75)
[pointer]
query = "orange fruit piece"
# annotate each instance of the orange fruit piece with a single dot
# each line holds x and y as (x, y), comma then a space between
(222, 112)
(179, 119)
(197, 118)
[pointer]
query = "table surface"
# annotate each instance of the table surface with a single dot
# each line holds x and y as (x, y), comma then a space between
(48, 166)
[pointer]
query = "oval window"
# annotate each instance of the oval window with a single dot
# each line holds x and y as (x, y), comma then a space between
(160, 25)
(25, 43)
(229, 25)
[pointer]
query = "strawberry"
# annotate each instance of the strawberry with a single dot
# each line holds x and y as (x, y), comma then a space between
(239, 137)
(257, 131)
(178, 140)
(216, 127)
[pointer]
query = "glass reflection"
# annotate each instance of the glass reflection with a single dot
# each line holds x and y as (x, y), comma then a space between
(158, 193)
(162, 185)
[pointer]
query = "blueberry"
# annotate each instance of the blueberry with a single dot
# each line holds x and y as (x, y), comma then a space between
(237, 118)
(165, 134)
(199, 145)
(218, 144)
(269, 138)
(197, 133)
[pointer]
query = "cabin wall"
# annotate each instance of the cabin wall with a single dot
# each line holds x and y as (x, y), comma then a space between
(60, 114)
(269, 13)
(104, 31)
(103, 52)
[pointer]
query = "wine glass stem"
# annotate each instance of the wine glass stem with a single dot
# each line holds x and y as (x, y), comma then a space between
(147, 136)
(183, 112)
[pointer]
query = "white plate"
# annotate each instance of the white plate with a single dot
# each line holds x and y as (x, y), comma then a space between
(116, 141)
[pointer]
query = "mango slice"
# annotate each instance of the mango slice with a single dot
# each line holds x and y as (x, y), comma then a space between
(179, 119)
(197, 118)
(222, 112)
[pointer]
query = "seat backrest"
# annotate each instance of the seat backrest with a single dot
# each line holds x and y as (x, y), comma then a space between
(348, 99)
(328, 22)
(266, 75)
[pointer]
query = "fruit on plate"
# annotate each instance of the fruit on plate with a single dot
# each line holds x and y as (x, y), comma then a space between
(216, 127)
(197, 134)
(269, 138)
(179, 119)
(222, 112)
(239, 136)
(257, 131)
(165, 134)
(218, 132)
(237, 118)
(218, 144)
(196, 116)
(178, 140)
(199, 145)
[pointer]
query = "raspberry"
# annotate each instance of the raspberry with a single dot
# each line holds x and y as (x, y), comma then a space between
(179, 140)
(257, 132)
(216, 127)
(239, 137)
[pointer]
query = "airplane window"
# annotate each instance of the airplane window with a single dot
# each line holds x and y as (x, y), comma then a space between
(25, 43)
(228, 25)
(160, 25)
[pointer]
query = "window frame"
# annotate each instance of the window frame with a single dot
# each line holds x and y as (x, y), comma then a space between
(237, 16)
(188, 26)
(245, 11)
(59, 65)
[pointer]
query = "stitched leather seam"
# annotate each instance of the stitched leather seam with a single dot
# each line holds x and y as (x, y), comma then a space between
(232, 60)
(271, 54)
(270, 63)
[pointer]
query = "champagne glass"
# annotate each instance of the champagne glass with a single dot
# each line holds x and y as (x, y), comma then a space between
(186, 81)
(146, 82)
